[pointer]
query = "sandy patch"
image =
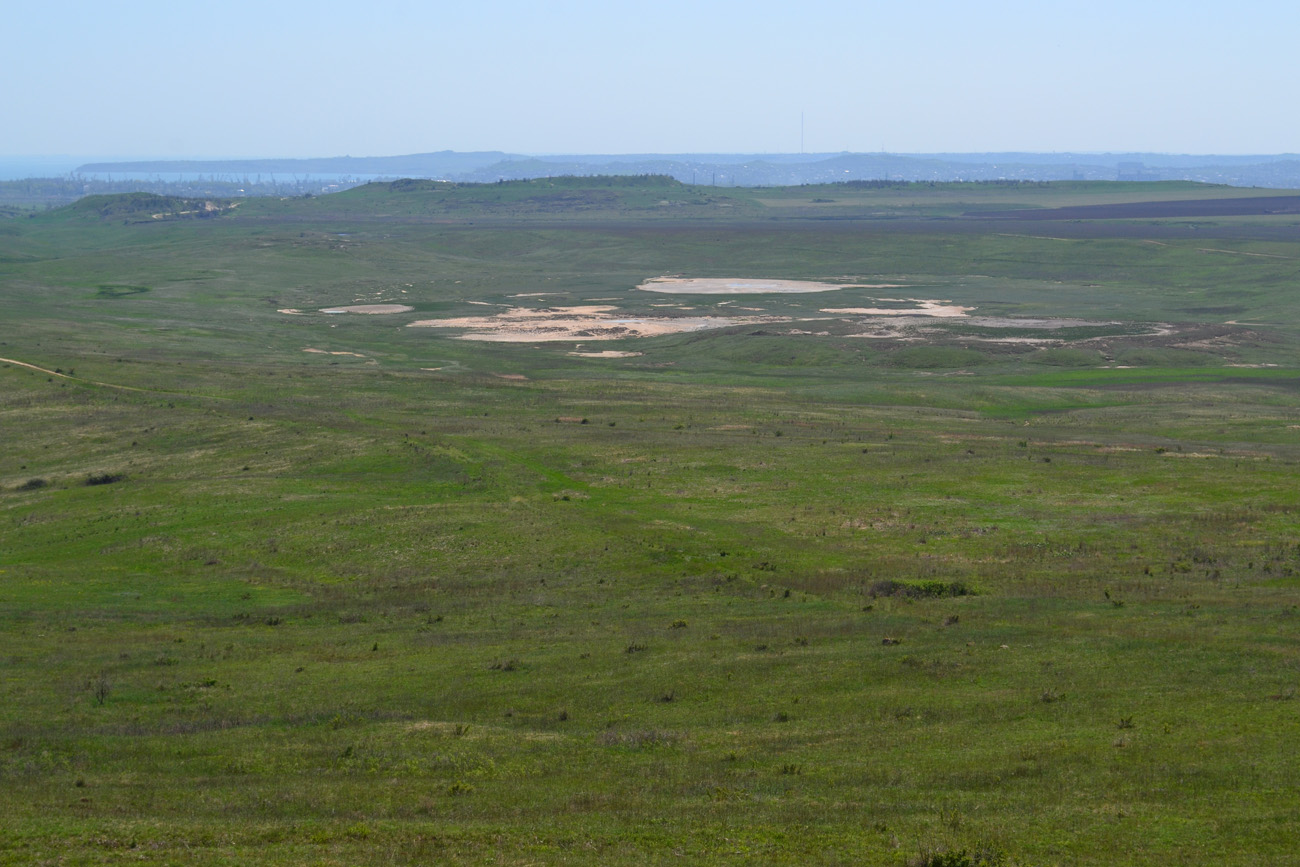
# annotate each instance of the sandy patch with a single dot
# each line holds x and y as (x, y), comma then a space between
(514, 377)
(369, 308)
(1030, 340)
(734, 286)
(924, 307)
(607, 353)
(1045, 324)
(289, 311)
(328, 352)
(589, 322)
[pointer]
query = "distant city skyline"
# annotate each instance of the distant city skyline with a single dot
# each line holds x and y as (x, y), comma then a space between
(148, 79)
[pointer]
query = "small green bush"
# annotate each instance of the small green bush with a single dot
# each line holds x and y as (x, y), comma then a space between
(919, 589)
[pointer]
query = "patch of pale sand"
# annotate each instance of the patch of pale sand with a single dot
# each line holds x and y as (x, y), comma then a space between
(536, 294)
(516, 377)
(589, 322)
(1053, 340)
(369, 308)
(486, 304)
(290, 311)
(734, 286)
(925, 307)
(1255, 365)
(1044, 324)
(607, 353)
(886, 335)
(431, 369)
(328, 352)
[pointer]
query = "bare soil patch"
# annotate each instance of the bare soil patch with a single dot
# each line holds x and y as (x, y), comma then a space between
(369, 308)
(607, 353)
(740, 286)
(591, 322)
(328, 352)
(924, 307)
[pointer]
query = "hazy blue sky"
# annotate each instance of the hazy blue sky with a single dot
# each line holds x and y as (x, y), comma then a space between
(325, 78)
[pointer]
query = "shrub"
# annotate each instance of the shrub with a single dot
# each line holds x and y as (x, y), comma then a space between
(104, 478)
(32, 484)
(100, 687)
(919, 589)
(981, 856)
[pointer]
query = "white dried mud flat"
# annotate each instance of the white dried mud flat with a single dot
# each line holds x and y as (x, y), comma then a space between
(591, 322)
(924, 307)
(608, 353)
(369, 308)
(747, 286)
(329, 352)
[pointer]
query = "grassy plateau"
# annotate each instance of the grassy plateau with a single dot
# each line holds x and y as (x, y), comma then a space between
(804, 582)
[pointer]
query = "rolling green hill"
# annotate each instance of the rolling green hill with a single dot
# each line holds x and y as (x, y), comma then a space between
(985, 557)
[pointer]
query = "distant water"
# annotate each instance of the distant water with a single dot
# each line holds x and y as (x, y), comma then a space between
(17, 168)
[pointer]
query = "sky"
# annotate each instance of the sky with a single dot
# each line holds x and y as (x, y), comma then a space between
(287, 78)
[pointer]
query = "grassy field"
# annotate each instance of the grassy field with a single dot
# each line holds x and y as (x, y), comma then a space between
(1015, 587)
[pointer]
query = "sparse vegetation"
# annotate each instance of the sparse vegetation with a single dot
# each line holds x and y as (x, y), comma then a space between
(356, 594)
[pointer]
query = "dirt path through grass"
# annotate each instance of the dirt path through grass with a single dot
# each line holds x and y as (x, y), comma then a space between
(78, 379)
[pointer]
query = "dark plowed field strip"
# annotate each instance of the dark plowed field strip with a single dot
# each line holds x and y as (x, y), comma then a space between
(1242, 207)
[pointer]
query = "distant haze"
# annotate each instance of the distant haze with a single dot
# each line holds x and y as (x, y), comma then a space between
(728, 170)
(292, 78)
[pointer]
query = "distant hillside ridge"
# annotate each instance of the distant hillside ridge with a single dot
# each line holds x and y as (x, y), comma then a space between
(149, 206)
(421, 165)
(1277, 171)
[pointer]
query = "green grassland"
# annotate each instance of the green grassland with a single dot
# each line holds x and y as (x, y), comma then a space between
(968, 592)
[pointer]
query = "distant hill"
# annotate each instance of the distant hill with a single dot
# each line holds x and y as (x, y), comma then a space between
(147, 206)
(1278, 171)
(431, 165)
